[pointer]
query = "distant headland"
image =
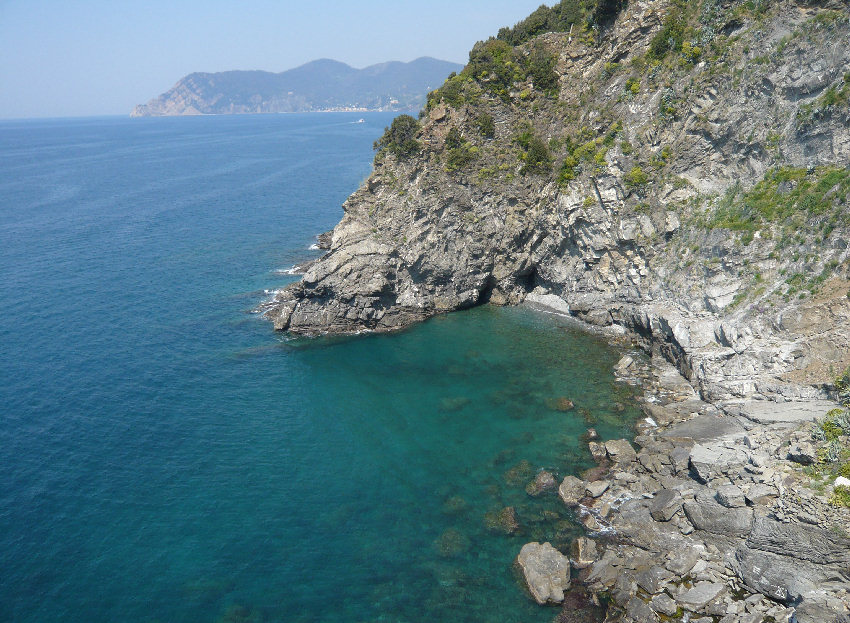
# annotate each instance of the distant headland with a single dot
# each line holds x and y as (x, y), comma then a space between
(321, 85)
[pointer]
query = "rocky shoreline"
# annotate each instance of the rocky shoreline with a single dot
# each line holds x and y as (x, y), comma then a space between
(707, 518)
(689, 190)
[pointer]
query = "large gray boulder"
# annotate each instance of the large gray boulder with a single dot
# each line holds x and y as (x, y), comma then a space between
(777, 577)
(665, 505)
(706, 514)
(620, 451)
(696, 598)
(546, 571)
(571, 490)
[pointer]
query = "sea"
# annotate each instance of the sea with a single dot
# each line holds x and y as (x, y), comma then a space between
(165, 456)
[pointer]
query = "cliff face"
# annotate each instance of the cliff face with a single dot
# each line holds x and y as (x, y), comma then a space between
(318, 85)
(692, 186)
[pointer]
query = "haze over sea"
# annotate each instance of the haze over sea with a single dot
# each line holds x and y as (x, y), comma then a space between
(165, 456)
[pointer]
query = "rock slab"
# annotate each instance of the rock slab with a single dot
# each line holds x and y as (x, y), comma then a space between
(546, 571)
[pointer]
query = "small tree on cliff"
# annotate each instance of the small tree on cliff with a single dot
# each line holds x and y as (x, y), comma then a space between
(399, 138)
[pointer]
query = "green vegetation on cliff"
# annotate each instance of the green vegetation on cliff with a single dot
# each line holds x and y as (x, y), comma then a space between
(400, 137)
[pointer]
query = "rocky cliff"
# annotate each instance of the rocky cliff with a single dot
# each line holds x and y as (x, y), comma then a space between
(674, 170)
(692, 189)
(316, 86)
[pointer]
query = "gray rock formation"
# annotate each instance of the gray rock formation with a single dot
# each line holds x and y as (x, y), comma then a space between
(546, 571)
(422, 237)
(697, 200)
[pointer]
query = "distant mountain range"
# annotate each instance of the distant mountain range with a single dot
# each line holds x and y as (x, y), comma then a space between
(321, 85)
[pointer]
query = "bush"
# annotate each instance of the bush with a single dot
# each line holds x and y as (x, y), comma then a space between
(606, 11)
(537, 157)
(636, 177)
(541, 68)
(558, 18)
(459, 151)
(486, 125)
(568, 170)
(492, 63)
(669, 38)
(454, 138)
(399, 138)
(835, 424)
(840, 496)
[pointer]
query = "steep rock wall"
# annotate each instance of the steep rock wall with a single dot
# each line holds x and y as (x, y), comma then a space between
(638, 237)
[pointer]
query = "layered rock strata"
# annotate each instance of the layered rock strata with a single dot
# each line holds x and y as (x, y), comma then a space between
(653, 256)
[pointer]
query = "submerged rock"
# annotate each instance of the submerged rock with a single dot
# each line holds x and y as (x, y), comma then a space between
(504, 521)
(451, 543)
(546, 571)
(518, 474)
(455, 504)
(544, 482)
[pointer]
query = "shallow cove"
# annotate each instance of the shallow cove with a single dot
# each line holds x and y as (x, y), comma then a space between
(441, 427)
(164, 456)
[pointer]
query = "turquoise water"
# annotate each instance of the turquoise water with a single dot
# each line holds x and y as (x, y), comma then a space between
(164, 456)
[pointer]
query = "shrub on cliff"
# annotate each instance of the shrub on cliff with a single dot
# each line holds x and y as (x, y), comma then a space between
(459, 151)
(400, 137)
(669, 38)
(558, 18)
(494, 65)
(486, 125)
(562, 17)
(636, 177)
(536, 156)
(541, 68)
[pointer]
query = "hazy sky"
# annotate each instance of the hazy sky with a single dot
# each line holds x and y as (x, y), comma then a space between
(95, 57)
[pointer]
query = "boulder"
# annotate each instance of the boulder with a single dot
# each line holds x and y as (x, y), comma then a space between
(542, 483)
(652, 580)
(639, 611)
(664, 604)
(583, 552)
(774, 576)
(620, 451)
(546, 571)
(761, 493)
(665, 505)
(603, 573)
(681, 560)
(597, 450)
(706, 514)
(679, 458)
(803, 453)
(571, 490)
(696, 598)
(800, 541)
(708, 462)
(730, 496)
(595, 489)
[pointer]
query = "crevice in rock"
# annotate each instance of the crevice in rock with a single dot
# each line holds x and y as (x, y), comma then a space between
(486, 292)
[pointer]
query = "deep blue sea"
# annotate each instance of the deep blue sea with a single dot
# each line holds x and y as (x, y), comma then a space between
(165, 456)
